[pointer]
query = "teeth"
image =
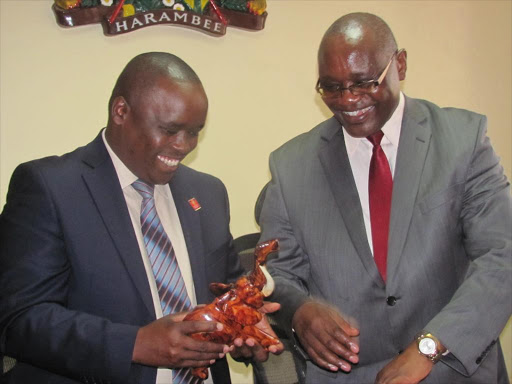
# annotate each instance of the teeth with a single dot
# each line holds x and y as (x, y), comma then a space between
(169, 162)
(359, 112)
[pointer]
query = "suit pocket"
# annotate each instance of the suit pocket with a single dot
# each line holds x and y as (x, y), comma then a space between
(440, 198)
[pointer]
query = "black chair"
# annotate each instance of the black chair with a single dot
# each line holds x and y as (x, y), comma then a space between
(6, 364)
(288, 367)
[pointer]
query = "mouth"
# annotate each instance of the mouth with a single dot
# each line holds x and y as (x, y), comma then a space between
(359, 113)
(169, 161)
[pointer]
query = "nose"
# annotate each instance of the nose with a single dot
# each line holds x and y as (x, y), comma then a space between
(184, 142)
(346, 96)
(343, 99)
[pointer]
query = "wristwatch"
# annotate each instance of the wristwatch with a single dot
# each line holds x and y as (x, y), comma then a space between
(428, 346)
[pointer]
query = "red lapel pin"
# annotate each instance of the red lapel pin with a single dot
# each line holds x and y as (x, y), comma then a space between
(194, 204)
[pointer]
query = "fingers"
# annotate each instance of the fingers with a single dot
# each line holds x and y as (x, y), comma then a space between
(249, 349)
(328, 353)
(270, 307)
(195, 363)
(328, 360)
(168, 343)
(347, 340)
(192, 344)
(326, 336)
(187, 353)
(199, 326)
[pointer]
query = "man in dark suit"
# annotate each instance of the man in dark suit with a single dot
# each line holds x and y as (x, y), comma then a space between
(79, 299)
(393, 218)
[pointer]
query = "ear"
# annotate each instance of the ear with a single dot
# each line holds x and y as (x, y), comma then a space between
(402, 64)
(119, 110)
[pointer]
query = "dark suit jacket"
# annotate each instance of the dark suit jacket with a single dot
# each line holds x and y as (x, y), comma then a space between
(73, 289)
(449, 256)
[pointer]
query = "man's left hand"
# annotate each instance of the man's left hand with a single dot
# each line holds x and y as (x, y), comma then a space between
(251, 349)
(407, 368)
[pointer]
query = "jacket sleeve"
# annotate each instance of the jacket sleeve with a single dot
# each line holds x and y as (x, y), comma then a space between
(290, 269)
(36, 325)
(470, 324)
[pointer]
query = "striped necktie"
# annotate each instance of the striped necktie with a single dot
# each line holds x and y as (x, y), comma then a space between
(169, 281)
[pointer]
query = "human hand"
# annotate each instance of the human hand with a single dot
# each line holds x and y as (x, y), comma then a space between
(166, 342)
(251, 349)
(326, 336)
(407, 368)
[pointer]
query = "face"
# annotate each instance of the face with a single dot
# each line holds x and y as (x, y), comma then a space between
(155, 134)
(342, 63)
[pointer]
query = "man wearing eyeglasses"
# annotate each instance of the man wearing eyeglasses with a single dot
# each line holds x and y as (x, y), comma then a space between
(393, 218)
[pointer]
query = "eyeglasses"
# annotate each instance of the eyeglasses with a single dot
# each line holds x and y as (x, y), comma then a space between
(328, 91)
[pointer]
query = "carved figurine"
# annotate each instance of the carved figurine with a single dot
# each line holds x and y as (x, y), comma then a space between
(236, 306)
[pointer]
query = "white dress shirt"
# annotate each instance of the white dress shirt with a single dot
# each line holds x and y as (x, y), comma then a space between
(360, 154)
(170, 220)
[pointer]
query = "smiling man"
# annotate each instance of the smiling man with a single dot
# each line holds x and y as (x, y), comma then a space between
(102, 247)
(395, 244)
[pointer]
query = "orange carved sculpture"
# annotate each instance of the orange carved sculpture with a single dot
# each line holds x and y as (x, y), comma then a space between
(236, 306)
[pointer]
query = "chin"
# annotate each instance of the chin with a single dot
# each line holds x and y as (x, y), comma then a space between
(362, 129)
(161, 180)
(360, 132)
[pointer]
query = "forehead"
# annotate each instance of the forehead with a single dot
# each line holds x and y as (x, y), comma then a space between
(349, 55)
(178, 102)
(164, 86)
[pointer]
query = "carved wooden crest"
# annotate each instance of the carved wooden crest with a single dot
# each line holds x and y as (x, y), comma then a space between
(122, 16)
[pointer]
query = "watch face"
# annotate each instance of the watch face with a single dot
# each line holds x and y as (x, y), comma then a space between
(427, 346)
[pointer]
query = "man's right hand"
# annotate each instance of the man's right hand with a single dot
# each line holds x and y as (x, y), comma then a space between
(166, 343)
(327, 338)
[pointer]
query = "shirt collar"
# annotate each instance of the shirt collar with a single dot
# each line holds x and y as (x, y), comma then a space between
(126, 177)
(391, 129)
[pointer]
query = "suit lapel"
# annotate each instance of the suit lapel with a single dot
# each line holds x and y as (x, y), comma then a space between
(190, 221)
(104, 187)
(412, 151)
(334, 159)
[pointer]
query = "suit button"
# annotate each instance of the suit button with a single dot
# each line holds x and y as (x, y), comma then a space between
(391, 300)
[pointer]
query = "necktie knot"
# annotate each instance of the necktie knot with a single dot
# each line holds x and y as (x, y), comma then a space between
(146, 190)
(376, 138)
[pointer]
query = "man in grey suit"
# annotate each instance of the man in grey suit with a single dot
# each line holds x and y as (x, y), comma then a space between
(433, 301)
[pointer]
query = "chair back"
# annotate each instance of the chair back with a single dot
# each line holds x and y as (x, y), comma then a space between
(288, 367)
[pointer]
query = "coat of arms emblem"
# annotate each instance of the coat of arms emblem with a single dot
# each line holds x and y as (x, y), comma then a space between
(122, 16)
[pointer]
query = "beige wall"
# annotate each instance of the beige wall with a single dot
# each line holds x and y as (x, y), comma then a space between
(55, 82)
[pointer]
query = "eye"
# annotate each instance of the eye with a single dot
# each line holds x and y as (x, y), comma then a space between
(364, 85)
(169, 131)
(331, 87)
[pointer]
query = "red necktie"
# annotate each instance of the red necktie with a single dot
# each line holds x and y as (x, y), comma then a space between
(380, 187)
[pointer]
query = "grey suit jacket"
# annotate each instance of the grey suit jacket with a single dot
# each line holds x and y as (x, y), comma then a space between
(449, 257)
(73, 288)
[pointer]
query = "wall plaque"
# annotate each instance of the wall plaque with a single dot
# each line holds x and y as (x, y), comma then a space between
(122, 16)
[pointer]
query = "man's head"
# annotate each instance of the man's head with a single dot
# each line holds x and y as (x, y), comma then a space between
(157, 108)
(357, 48)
